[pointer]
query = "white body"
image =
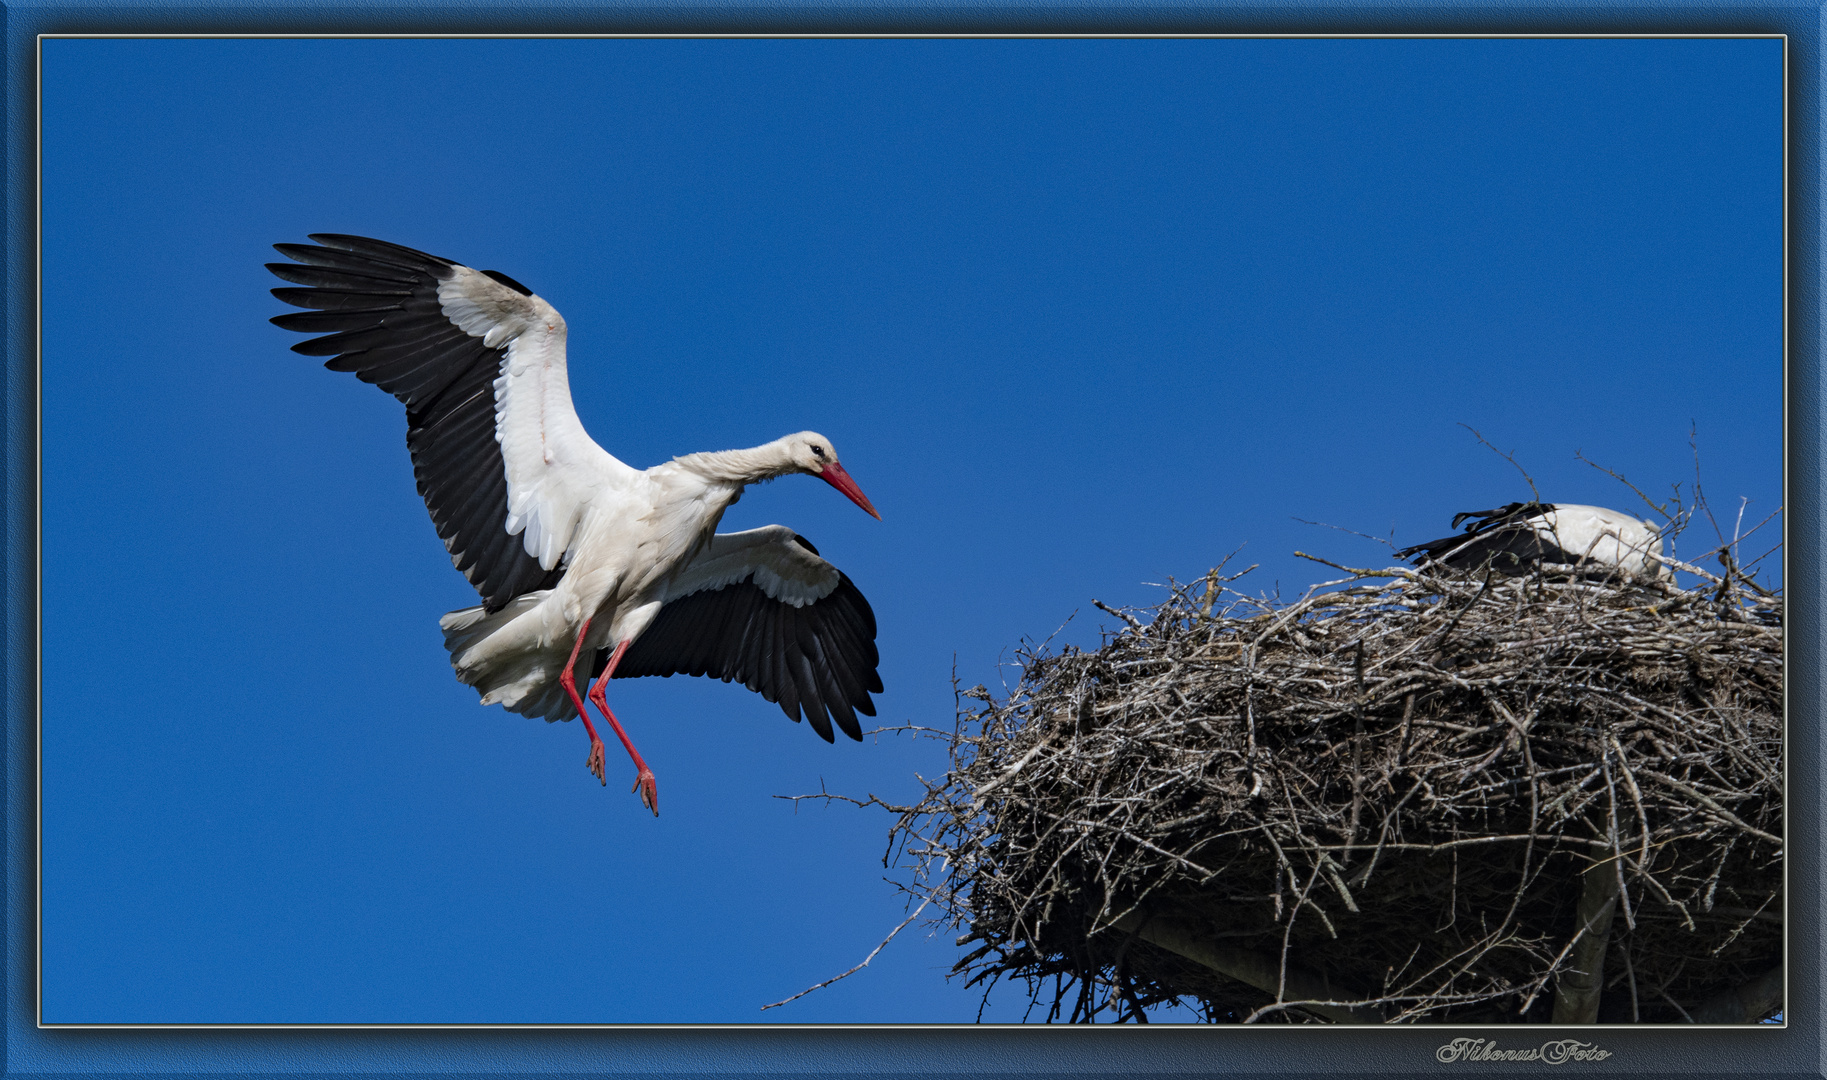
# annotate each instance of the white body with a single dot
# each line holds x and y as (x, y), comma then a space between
(1597, 535)
(630, 539)
(592, 569)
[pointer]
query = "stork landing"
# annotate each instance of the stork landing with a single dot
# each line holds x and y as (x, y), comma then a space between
(580, 560)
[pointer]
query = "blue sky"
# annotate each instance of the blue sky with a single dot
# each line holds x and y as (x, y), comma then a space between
(1079, 315)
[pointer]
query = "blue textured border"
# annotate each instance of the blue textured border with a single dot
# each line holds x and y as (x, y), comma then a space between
(1796, 1051)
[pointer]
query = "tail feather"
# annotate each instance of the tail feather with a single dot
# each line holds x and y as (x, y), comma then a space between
(504, 655)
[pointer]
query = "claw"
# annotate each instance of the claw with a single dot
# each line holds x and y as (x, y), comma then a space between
(595, 762)
(650, 792)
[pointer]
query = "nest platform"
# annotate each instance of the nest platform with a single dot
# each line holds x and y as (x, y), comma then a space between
(1410, 796)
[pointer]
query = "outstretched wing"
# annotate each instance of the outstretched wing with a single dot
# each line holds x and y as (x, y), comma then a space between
(763, 609)
(501, 459)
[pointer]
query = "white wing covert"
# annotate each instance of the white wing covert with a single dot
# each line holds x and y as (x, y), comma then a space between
(551, 464)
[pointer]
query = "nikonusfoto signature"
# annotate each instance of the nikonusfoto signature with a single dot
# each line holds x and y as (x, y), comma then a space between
(1553, 1052)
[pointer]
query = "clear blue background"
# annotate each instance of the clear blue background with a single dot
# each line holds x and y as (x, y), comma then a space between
(1079, 315)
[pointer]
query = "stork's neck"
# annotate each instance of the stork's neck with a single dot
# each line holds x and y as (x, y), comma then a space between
(740, 467)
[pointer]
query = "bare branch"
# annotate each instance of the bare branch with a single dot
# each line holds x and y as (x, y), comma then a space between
(1534, 495)
(857, 968)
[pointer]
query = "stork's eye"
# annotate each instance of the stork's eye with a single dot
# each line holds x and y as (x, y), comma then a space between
(819, 450)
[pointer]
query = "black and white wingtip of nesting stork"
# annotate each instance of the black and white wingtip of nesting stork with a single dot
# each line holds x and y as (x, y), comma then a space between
(1519, 537)
(573, 553)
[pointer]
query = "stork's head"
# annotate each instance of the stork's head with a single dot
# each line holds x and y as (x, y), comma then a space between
(812, 453)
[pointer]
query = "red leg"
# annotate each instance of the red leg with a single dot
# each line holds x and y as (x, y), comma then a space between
(568, 680)
(643, 781)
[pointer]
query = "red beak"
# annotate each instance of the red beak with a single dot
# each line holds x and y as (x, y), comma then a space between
(835, 475)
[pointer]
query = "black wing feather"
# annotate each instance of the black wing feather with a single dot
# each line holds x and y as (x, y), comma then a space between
(324, 322)
(799, 667)
(791, 699)
(326, 260)
(834, 694)
(338, 280)
(772, 667)
(849, 685)
(819, 661)
(1502, 536)
(377, 304)
(335, 299)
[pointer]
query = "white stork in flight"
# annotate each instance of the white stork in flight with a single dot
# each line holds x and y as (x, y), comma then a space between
(1517, 537)
(574, 553)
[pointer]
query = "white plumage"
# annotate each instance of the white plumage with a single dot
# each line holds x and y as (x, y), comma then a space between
(581, 560)
(1517, 537)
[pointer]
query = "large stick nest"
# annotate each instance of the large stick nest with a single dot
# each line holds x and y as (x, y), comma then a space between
(1397, 799)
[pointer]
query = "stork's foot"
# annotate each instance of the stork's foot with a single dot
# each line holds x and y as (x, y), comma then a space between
(595, 763)
(650, 794)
